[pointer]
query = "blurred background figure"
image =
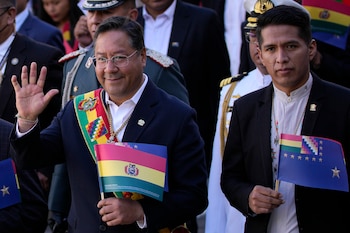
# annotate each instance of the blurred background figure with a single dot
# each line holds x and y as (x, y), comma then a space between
(63, 14)
(35, 28)
(29, 215)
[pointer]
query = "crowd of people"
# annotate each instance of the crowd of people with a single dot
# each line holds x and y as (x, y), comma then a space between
(215, 81)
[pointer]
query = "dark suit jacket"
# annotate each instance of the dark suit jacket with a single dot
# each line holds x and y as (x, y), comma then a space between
(24, 51)
(41, 31)
(186, 163)
(247, 158)
(30, 215)
(198, 45)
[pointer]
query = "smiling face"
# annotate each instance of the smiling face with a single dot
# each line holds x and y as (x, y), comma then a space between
(120, 83)
(286, 56)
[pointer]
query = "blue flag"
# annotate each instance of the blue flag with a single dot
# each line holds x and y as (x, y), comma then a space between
(9, 187)
(312, 162)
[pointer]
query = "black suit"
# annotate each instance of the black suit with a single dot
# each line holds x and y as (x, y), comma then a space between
(24, 51)
(247, 158)
(30, 215)
(197, 43)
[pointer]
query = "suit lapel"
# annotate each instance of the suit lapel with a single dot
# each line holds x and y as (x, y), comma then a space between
(313, 106)
(181, 23)
(264, 130)
(15, 61)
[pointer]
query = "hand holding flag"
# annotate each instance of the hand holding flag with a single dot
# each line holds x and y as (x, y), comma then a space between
(134, 168)
(312, 162)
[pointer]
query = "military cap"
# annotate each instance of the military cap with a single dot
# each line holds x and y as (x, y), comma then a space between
(258, 7)
(100, 5)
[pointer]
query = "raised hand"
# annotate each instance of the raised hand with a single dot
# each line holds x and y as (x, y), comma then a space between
(81, 32)
(30, 98)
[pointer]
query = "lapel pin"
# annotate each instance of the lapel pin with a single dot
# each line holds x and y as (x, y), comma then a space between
(313, 107)
(141, 122)
(175, 44)
(14, 61)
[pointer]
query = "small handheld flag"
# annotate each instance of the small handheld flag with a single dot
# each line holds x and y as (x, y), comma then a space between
(312, 162)
(9, 186)
(330, 21)
(132, 168)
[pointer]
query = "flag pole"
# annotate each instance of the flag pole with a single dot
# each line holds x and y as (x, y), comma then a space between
(277, 185)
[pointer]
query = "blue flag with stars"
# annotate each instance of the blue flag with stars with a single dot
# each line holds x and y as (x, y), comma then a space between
(9, 187)
(312, 162)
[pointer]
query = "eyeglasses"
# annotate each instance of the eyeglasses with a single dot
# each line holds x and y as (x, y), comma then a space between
(118, 61)
(249, 36)
(6, 9)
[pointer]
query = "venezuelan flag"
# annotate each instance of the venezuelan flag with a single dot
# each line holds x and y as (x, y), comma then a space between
(132, 167)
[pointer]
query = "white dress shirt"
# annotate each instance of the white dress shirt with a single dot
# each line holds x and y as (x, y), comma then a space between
(157, 31)
(287, 117)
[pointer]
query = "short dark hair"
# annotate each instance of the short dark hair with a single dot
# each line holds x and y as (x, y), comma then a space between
(285, 15)
(118, 23)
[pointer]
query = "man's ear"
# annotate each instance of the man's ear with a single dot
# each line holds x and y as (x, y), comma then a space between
(312, 49)
(260, 55)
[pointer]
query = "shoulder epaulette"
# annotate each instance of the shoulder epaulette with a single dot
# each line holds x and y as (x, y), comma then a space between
(235, 78)
(71, 55)
(160, 58)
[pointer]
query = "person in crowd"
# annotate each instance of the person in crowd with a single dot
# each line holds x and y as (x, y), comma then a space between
(221, 217)
(17, 50)
(297, 102)
(33, 27)
(137, 111)
(191, 35)
(80, 77)
(29, 215)
(63, 14)
(232, 15)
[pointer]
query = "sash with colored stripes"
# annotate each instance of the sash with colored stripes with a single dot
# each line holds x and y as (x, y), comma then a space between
(94, 125)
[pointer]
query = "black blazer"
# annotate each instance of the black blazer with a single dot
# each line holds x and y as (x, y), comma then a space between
(34, 27)
(24, 51)
(247, 158)
(197, 43)
(30, 215)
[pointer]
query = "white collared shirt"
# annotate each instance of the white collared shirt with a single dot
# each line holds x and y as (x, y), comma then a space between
(157, 31)
(287, 115)
(121, 113)
(3, 49)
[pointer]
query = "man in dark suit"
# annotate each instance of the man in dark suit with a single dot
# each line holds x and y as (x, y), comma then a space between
(35, 28)
(28, 216)
(196, 41)
(298, 103)
(80, 77)
(149, 115)
(18, 50)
